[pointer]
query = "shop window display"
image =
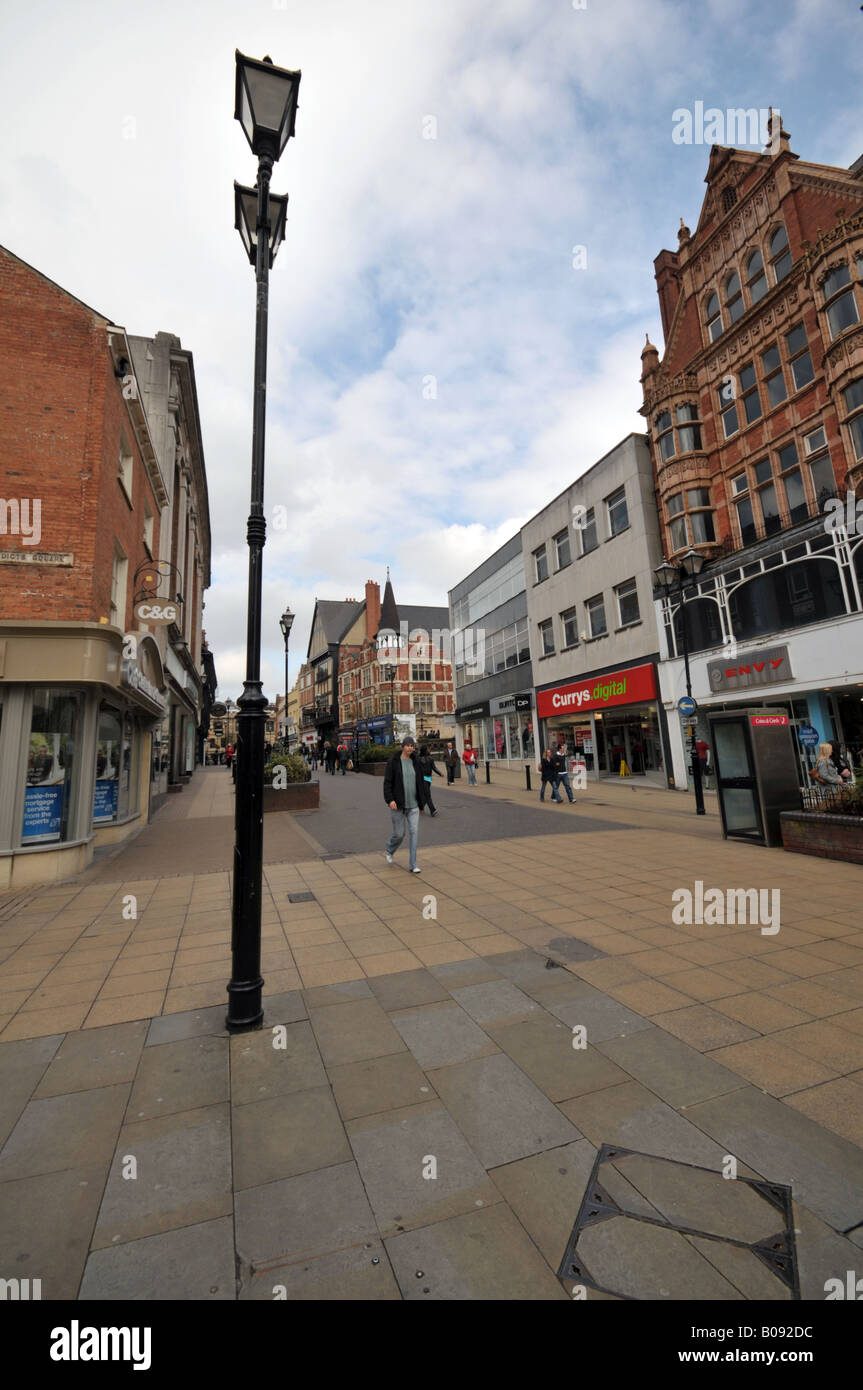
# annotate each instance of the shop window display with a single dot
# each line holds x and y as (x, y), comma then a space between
(51, 767)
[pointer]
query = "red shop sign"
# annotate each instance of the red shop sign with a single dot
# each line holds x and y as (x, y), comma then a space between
(601, 692)
(769, 719)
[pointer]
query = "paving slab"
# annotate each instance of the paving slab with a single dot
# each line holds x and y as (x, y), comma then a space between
(545, 1192)
(382, 1084)
(185, 1075)
(393, 1151)
(183, 1176)
(261, 1070)
(320, 996)
(603, 1018)
(823, 1170)
(677, 1073)
(354, 1031)
(483, 1255)
(822, 1254)
(407, 989)
(500, 1111)
(634, 1118)
(749, 1275)
(360, 1274)
(643, 1261)
(288, 1007)
(22, 1066)
(99, 1057)
(45, 1227)
(439, 1034)
(495, 1002)
(70, 1131)
(287, 1135)
(302, 1217)
(542, 1048)
(454, 973)
(699, 1199)
(192, 1263)
(195, 1023)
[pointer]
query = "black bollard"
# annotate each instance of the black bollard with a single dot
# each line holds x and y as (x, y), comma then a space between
(527, 777)
(487, 772)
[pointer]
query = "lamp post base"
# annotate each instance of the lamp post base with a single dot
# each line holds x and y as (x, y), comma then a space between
(245, 1008)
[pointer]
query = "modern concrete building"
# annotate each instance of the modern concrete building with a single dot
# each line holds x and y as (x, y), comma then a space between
(588, 559)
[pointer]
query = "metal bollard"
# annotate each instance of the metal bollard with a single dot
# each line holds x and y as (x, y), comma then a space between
(527, 777)
(487, 772)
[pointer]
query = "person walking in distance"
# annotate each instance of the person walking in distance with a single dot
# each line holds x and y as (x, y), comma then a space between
(450, 758)
(406, 795)
(548, 772)
(469, 759)
(330, 754)
(229, 754)
(342, 754)
(427, 766)
(563, 774)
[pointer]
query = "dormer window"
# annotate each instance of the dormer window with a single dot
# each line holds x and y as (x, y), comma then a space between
(714, 318)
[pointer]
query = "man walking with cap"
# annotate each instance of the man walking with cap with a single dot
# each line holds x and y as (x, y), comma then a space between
(406, 795)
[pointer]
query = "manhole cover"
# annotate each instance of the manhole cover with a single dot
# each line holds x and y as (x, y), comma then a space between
(650, 1227)
(301, 897)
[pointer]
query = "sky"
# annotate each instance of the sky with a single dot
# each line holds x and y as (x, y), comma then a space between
(478, 189)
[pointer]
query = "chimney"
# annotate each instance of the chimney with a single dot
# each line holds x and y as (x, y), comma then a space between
(667, 286)
(373, 608)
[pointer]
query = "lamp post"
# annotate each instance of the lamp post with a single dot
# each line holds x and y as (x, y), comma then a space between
(389, 674)
(266, 107)
(690, 566)
(286, 622)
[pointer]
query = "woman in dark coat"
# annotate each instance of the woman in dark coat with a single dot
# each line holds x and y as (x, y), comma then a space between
(427, 765)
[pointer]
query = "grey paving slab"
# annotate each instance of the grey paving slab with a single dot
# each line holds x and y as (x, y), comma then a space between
(195, 1023)
(677, 1073)
(545, 1192)
(185, 1075)
(406, 989)
(288, 1007)
(699, 1199)
(749, 1275)
(822, 1254)
(260, 1069)
(65, 1132)
(380, 1084)
(501, 1113)
(353, 1031)
(570, 948)
(193, 1263)
(454, 973)
(45, 1227)
(526, 968)
(498, 1001)
(393, 1151)
(438, 1034)
(94, 1057)
(322, 995)
(183, 1176)
(287, 1135)
(603, 1017)
(361, 1273)
(542, 1048)
(22, 1066)
(644, 1261)
(635, 1118)
(824, 1171)
(478, 1256)
(302, 1217)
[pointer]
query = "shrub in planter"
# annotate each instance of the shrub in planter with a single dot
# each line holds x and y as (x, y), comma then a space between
(295, 769)
(379, 752)
(845, 803)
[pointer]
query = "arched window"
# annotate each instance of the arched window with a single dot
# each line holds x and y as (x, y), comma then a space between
(756, 280)
(780, 254)
(734, 297)
(714, 317)
(703, 628)
(809, 591)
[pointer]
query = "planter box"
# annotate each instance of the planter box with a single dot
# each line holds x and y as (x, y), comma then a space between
(296, 796)
(828, 837)
(373, 769)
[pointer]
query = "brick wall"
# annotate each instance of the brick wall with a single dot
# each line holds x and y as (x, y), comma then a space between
(827, 837)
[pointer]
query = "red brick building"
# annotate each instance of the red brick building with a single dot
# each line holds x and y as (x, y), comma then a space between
(755, 416)
(86, 517)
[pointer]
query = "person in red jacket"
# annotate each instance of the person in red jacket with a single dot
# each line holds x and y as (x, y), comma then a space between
(469, 759)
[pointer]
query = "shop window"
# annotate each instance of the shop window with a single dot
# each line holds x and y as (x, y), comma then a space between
(546, 638)
(589, 539)
(780, 255)
(595, 608)
(51, 778)
(853, 396)
(561, 549)
(798, 355)
(749, 388)
(540, 564)
(618, 514)
(774, 378)
(756, 279)
(627, 603)
(807, 591)
(713, 314)
(569, 626)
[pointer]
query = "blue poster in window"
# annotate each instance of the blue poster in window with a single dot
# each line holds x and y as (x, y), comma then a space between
(43, 814)
(105, 800)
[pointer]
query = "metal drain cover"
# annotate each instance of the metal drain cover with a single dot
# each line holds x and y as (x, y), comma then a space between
(301, 897)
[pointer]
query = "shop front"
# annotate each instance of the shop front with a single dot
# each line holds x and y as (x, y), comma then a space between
(609, 724)
(75, 730)
(502, 729)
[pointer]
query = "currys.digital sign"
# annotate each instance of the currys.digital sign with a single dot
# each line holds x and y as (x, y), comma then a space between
(627, 687)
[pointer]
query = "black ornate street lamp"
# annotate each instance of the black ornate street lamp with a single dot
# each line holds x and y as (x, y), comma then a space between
(389, 674)
(286, 622)
(266, 107)
(689, 566)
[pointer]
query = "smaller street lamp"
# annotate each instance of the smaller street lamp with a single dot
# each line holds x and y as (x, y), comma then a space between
(286, 622)
(689, 566)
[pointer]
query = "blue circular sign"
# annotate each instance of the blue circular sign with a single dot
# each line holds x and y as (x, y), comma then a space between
(686, 704)
(808, 736)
